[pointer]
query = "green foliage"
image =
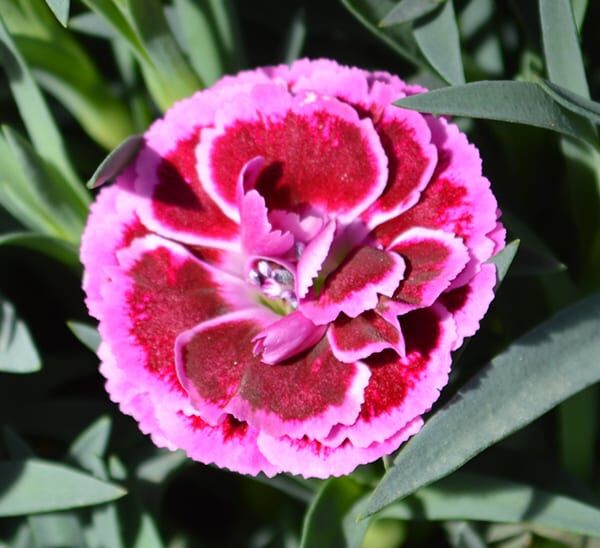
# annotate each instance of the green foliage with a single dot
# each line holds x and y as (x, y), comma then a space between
(492, 466)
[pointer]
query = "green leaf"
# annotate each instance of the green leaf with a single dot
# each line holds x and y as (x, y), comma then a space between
(504, 259)
(86, 334)
(174, 76)
(544, 367)
(60, 8)
(34, 486)
(399, 37)
(296, 37)
(50, 190)
(575, 103)
(437, 36)
(561, 46)
(158, 467)
(507, 101)
(60, 529)
(92, 442)
(116, 161)
(325, 524)
(408, 10)
(17, 350)
(62, 251)
(148, 536)
(35, 113)
(480, 497)
(288, 485)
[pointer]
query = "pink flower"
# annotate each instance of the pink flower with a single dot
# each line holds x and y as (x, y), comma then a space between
(283, 272)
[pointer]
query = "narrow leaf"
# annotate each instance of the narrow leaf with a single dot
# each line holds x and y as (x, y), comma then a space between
(437, 36)
(480, 497)
(62, 251)
(17, 350)
(544, 367)
(91, 442)
(575, 103)
(148, 536)
(116, 161)
(296, 37)
(408, 10)
(34, 486)
(324, 524)
(60, 8)
(561, 46)
(507, 101)
(87, 334)
(504, 259)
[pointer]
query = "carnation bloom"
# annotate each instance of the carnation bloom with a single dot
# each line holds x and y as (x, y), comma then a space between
(282, 273)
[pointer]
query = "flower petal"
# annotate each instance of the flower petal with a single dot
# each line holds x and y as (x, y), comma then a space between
(312, 258)
(305, 395)
(403, 388)
(311, 459)
(318, 151)
(406, 139)
(433, 260)
(355, 285)
(353, 339)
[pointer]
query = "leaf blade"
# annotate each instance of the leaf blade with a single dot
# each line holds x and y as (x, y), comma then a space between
(408, 10)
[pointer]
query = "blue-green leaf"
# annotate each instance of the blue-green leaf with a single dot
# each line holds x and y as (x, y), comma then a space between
(575, 103)
(116, 161)
(87, 334)
(504, 259)
(438, 39)
(60, 8)
(408, 10)
(60, 250)
(33, 486)
(546, 366)
(17, 350)
(507, 101)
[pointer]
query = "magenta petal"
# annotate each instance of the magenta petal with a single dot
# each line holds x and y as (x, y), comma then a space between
(433, 260)
(287, 337)
(355, 285)
(312, 459)
(303, 141)
(403, 388)
(312, 258)
(353, 339)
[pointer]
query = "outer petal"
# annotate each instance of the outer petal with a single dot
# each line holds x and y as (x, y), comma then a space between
(406, 139)
(469, 303)
(158, 290)
(312, 259)
(310, 458)
(434, 258)
(318, 151)
(306, 395)
(458, 199)
(355, 285)
(358, 338)
(402, 389)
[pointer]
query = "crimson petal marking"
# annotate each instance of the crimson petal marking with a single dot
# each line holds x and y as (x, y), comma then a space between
(230, 444)
(469, 303)
(311, 459)
(433, 260)
(355, 285)
(358, 338)
(458, 200)
(406, 139)
(158, 290)
(312, 259)
(402, 389)
(287, 337)
(318, 153)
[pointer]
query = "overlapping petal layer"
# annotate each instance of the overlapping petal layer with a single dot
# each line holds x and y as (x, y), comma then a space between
(282, 273)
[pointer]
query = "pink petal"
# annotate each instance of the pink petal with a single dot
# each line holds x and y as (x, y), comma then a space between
(355, 285)
(406, 139)
(312, 259)
(287, 337)
(319, 153)
(433, 260)
(469, 303)
(353, 339)
(311, 459)
(403, 388)
(306, 395)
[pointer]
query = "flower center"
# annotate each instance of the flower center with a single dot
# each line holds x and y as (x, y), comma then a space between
(276, 283)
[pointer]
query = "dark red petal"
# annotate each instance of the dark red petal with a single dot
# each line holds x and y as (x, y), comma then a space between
(318, 153)
(358, 338)
(355, 285)
(305, 395)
